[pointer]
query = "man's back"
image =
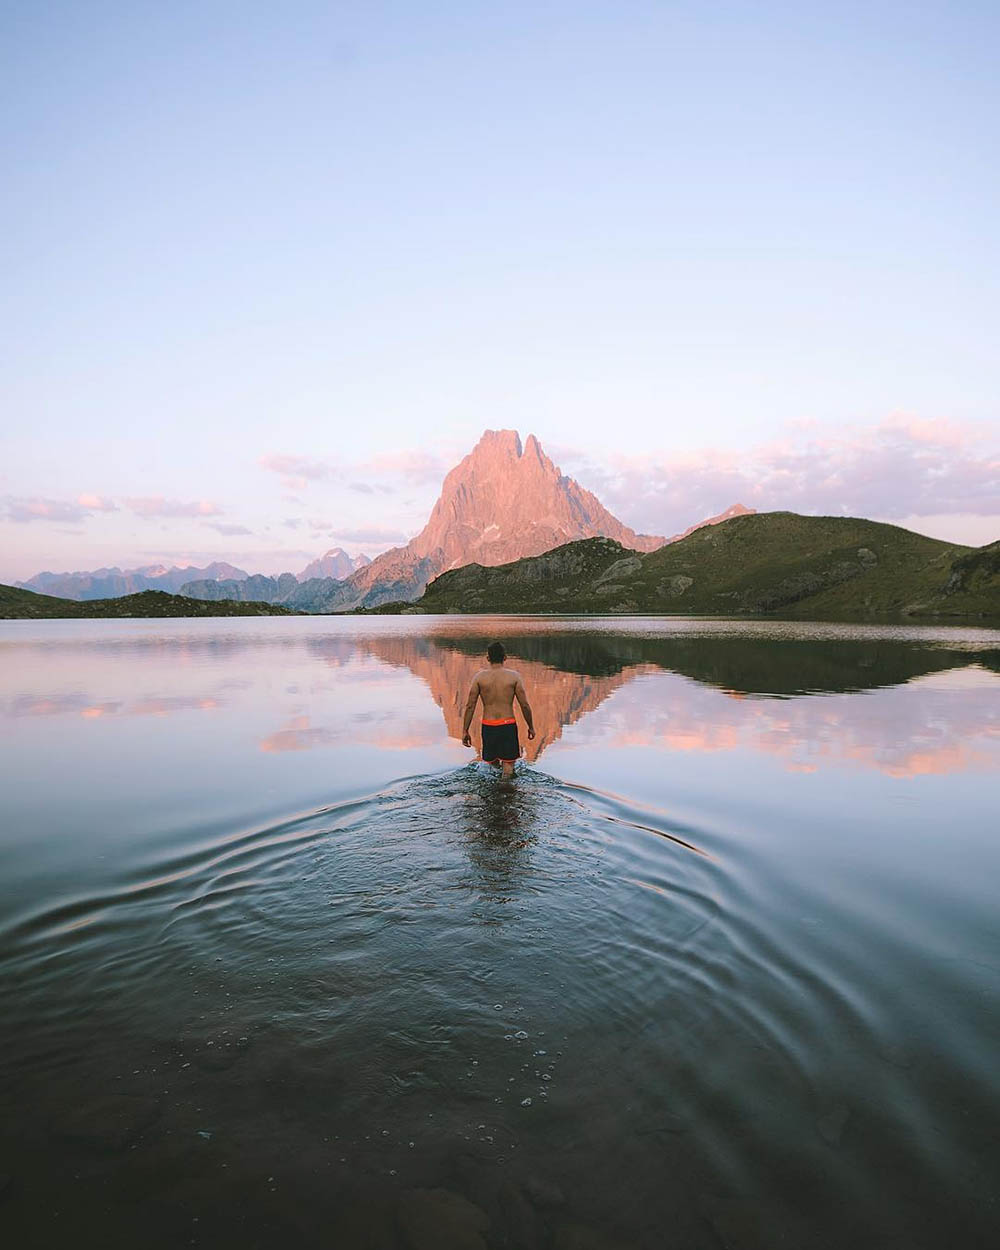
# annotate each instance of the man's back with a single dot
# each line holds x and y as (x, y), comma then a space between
(496, 689)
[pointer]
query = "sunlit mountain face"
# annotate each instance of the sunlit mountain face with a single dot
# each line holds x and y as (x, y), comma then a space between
(503, 501)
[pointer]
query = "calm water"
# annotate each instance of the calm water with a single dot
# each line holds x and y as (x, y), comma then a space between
(720, 969)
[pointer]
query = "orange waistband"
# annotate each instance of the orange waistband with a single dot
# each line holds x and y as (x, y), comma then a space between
(507, 720)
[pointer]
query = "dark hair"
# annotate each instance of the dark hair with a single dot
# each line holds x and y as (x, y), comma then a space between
(496, 653)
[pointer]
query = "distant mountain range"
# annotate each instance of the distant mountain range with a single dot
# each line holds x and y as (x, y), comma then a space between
(772, 562)
(239, 585)
(110, 583)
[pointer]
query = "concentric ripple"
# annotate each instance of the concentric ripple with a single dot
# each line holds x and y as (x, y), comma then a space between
(462, 983)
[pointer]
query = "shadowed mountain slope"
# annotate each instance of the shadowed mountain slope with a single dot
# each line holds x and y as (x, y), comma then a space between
(18, 604)
(775, 562)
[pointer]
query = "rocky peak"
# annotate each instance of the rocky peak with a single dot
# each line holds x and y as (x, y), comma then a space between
(334, 563)
(734, 510)
(501, 502)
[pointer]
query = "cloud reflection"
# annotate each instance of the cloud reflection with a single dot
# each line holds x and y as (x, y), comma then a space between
(930, 723)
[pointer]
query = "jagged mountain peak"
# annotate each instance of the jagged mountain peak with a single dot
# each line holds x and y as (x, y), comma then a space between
(504, 500)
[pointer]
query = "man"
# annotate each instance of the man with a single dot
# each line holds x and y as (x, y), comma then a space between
(498, 687)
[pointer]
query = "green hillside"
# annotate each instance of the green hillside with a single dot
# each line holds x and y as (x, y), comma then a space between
(26, 605)
(776, 563)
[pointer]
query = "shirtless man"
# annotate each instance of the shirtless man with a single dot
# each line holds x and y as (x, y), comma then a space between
(498, 687)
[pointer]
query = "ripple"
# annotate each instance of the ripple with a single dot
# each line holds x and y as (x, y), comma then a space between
(540, 971)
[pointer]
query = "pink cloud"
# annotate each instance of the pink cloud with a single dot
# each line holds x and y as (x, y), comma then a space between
(158, 506)
(370, 534)
(96, 503)
(903, 467)
(37, 508)
(297, 471)
(416, 465)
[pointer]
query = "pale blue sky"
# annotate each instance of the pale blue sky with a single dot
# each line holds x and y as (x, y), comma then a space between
(659, 236)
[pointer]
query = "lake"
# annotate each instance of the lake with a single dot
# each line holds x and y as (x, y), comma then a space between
(720, 968)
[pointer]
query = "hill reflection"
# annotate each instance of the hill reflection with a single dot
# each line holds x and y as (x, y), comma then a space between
(764, 682)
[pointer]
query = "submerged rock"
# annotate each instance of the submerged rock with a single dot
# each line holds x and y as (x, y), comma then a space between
(437, 1219)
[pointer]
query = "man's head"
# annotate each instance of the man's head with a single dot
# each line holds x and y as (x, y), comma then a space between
(496, 653)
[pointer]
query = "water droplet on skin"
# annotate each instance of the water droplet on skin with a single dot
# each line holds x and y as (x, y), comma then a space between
(525, 1102)
(521, 1035)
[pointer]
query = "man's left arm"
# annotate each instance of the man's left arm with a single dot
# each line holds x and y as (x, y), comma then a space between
(470, 710)
(520, 694)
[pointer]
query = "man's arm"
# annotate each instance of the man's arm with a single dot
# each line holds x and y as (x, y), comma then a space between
(522, 698)
(470, 709)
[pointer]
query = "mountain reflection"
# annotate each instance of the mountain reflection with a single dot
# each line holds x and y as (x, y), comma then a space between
(558, 696)
(739, 693)
(907, 702)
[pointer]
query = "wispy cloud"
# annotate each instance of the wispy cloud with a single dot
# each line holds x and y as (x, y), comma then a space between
(159, 506)
(369, 534)
(96, 503)
(37, 508)
(901, 468)
(297, 471)
(415, 467)
(230, 530)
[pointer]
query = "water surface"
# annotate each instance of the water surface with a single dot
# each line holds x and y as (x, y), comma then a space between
(721, 968)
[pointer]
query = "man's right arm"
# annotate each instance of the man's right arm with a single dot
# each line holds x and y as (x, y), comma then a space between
(470, 709)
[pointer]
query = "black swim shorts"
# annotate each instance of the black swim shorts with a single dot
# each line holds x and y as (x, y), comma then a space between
(500, 741)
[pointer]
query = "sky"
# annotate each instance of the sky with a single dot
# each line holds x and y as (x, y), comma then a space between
(270, 270)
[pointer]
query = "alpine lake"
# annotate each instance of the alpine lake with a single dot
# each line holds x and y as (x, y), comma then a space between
(283, 965)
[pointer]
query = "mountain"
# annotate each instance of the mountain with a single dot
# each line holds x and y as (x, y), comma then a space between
(110, 583)
(17, 603)
(286, 589)
(502, 502)
(254, 589)
(335, 563)
(770, 562)
(736, 509)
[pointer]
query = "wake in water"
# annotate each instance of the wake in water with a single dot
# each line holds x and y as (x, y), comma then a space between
(565, 1010)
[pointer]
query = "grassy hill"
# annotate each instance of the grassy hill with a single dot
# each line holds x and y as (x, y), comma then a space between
(26, 605)
(770, 563)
